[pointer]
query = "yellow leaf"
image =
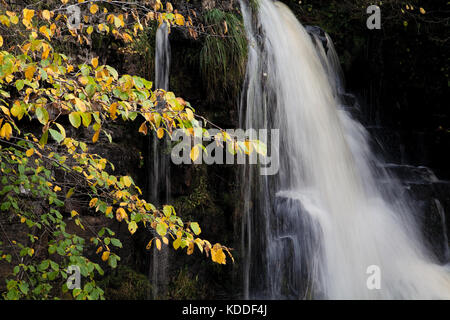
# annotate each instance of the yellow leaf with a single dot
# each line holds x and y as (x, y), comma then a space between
(95, 137)
(93, 202)
(169, 7)
(118, 22)
(1, 41)
(14, 19)
(93, 9)
(80, 105)
(217, 255)
(5, 20)
(28, 14)
(6, 131)
(143, 128)
(46, 14)
(69, 193)
(30, 152)
(179, 19)
(249, 147)
(157, 5)
(422, 11)
(5, 110)
(165, 240)
(45, 50)
(29, 72)
(56, 189)
(158, 244)
(194, 153)
(89, 30)
(126, 37)
(190, 249)
(113, 110)
(121, 214)
(149, 245)
(94, 62)
(45, 31)
(199, 244)
(108, 210)
(100, 249)
(83, 80)
(132, 227)
(23, 219)
(73, 213)
(105, 255)
(127, 181)
(160, 133)
(189, 114)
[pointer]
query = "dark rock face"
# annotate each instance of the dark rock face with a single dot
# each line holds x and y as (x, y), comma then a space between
(431, 203)
(432, 199)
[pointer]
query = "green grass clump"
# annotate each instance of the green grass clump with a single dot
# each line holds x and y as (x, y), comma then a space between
(224, 52)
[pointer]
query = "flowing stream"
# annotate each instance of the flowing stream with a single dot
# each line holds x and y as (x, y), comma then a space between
(313, 230)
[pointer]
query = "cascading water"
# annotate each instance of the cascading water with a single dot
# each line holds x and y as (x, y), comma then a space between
(159, 178)
(312, 230)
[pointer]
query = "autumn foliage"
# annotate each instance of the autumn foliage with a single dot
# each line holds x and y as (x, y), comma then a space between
(45, 87)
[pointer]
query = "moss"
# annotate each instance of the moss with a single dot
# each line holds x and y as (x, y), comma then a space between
(125, 283)
(184, 286)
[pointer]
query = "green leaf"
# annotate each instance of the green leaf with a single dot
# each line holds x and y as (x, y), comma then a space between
(196, 228)
(138, 82)
(147, 84)
(44, 138)
(24, 287)
(75, 119)
(19, 84)
(90, 89)
(116, 242)
(56, 135)
(61, 130)
(132, 115)
(113, 72)
(86, 118)
(44, 265)
(167, 210)
(54, 265)
(161, 229)
(42, 115)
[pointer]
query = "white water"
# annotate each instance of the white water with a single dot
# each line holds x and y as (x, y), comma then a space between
(313, 230)
(159, 179)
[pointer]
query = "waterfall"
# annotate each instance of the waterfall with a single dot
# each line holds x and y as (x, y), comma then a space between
(162, 57)
(159, 178)
(314, 230)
